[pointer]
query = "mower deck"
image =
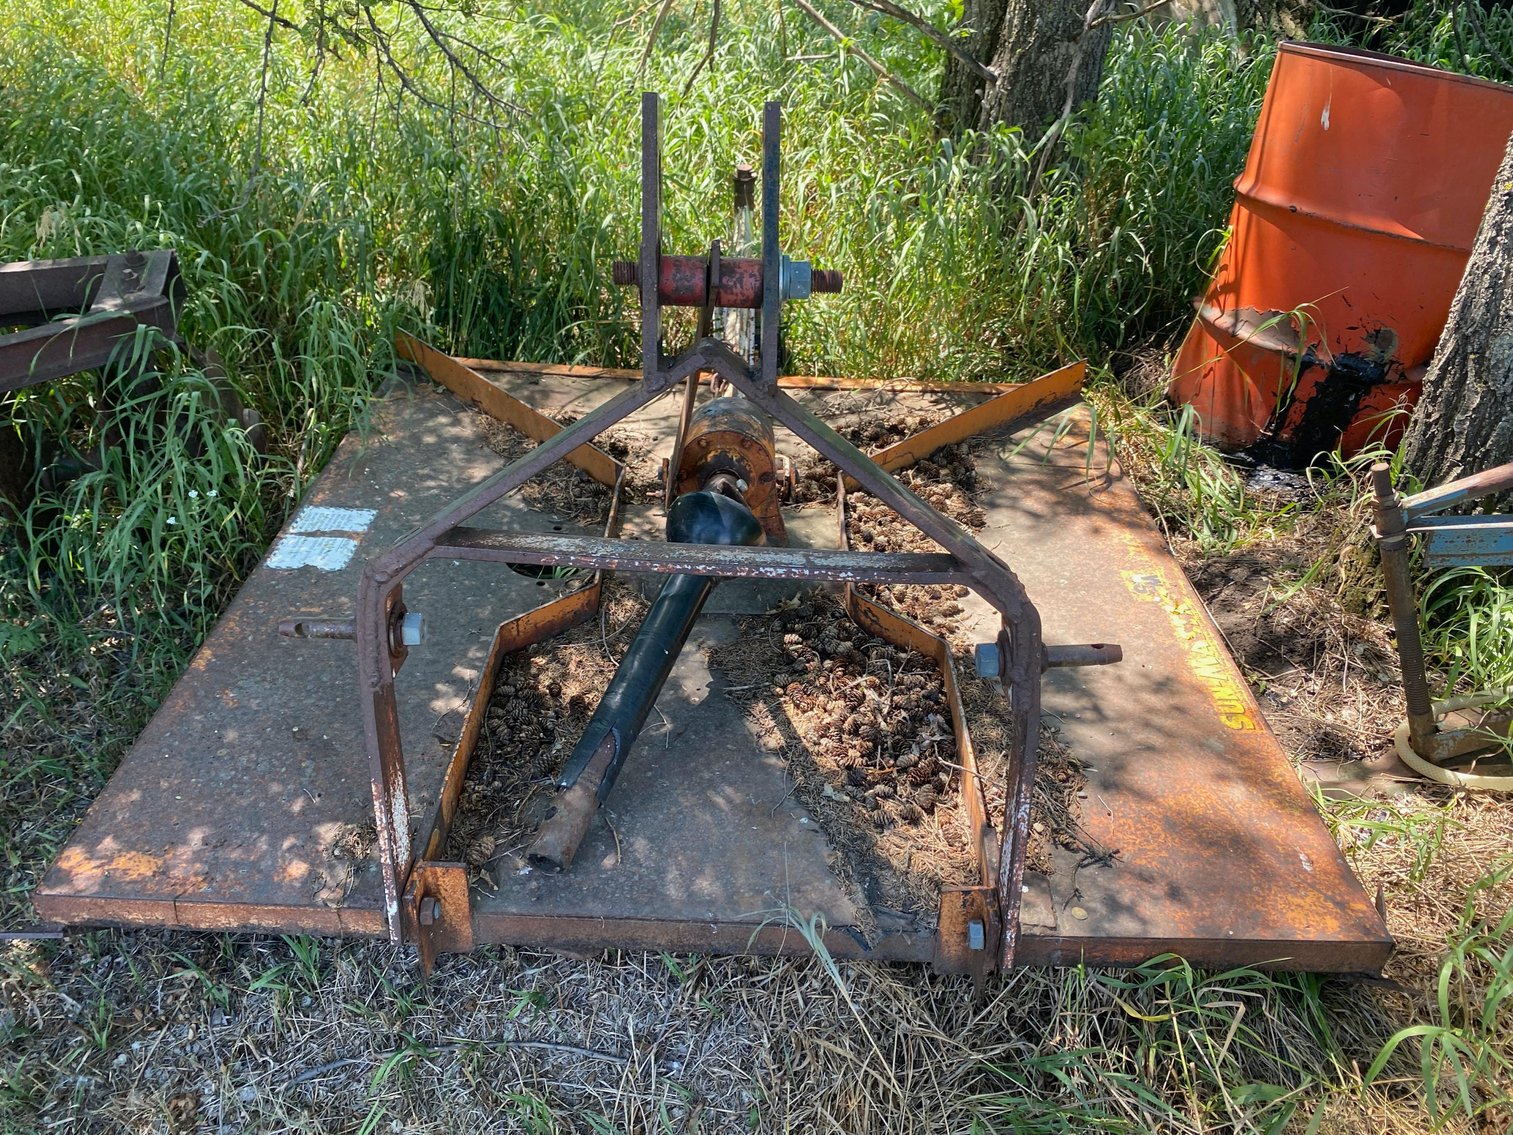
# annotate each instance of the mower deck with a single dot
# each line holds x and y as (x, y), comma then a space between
(244, 803)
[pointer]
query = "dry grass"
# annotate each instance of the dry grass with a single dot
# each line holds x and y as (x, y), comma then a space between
(158, 1032)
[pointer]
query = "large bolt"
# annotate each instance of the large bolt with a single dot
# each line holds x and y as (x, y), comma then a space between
(825, 280)
(625, 273)
(429, 911)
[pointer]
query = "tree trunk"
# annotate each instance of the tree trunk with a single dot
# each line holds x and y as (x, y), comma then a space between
(961, 86)
(1041, 57)
(1464, 422)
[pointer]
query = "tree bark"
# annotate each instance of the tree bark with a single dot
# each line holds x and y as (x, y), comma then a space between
(960, 86)
(1464, 422)
(1044, 59)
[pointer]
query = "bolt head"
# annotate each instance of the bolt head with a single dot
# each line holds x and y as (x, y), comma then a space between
(430, 910)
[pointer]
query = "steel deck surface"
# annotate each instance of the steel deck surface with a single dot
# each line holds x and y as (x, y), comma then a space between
(232, 808)
(1221, 855)
(239, 803)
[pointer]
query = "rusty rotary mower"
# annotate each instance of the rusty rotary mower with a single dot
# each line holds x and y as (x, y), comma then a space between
(1209, 847)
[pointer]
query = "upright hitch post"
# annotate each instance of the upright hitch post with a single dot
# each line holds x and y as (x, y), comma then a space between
(1392, 541)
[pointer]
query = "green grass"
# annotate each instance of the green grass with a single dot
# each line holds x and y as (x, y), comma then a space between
(1469, 36)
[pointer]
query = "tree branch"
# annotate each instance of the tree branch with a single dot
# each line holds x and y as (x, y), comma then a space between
(273, 15)
(708, 58)
(651, 36)
(848, 44)
(439, 38)
(1119, 17)
(952, 47)
(167, 40)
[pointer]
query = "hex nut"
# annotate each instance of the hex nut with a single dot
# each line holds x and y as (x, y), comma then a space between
(989, 659)
(412, 628)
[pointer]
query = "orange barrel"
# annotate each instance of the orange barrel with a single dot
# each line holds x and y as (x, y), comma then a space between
(1353, 220)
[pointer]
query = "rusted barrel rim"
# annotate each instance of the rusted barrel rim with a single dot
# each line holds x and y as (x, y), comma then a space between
(1388, 62)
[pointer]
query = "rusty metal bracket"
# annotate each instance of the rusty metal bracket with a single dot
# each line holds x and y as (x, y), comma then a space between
(1483, 540)
(969, 935)
(501, 405)
(437, 911)
(103, 298)
(1024, 405)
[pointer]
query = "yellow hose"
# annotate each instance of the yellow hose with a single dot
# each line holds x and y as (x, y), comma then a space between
(1501, 782)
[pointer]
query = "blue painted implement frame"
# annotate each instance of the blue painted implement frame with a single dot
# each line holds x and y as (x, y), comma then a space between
(1485, 540)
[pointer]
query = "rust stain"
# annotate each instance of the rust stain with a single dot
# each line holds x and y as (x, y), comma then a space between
(132, 865)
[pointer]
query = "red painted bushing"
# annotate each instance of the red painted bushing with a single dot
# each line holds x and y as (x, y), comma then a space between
(683, 278)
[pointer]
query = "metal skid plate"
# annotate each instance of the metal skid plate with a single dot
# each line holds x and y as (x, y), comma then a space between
(246, 798)
(1218, 853)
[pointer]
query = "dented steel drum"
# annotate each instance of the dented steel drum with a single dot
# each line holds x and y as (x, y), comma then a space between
(1352, 224)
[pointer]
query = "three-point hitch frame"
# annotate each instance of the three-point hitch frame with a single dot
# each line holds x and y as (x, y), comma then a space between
(380, 611)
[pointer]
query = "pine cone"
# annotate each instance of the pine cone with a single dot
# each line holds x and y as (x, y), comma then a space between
(480, 851)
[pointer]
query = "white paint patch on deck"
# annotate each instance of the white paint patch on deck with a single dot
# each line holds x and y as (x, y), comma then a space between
(328, 553)
(322, 518)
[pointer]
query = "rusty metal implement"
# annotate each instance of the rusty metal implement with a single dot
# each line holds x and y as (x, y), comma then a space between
(1484, 540)
(1019, 635)
(294, 806)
